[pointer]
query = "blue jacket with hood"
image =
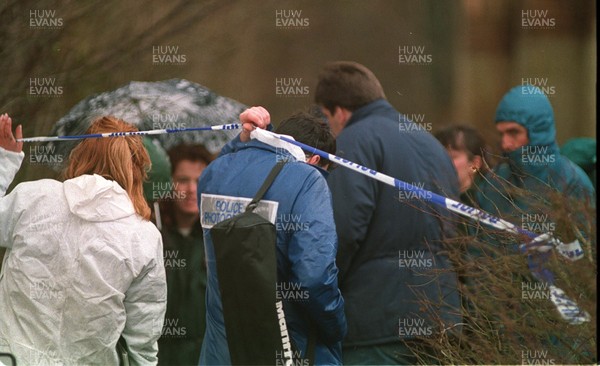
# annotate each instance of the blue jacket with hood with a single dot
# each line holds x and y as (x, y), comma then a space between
(396, 280)
(305, 253)
(536, 167)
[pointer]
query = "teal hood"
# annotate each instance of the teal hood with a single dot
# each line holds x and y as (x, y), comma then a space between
(529, 106)
(535, 167)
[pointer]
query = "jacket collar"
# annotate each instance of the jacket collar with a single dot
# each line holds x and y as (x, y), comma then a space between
(379, 106)
(285, 155)
(94, 198)
(255, 144)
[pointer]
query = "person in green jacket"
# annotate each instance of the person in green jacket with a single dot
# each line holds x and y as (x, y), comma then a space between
(533, 170)
(185, 320)
(535, 187)
(582, 151)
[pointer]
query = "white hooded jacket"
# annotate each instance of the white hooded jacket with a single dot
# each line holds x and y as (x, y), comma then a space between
(81, 269)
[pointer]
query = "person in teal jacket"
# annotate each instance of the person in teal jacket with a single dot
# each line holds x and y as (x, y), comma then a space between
(524, 189)
(525, 121)
(582, 151)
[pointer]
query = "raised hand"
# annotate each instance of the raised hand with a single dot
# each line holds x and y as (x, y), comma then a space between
(7, 140)
(252, 118)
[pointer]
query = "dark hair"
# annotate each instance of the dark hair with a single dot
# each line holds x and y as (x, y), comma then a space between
(310, 130)
(177, 154)
(464, 138)
(347, 84)
(195, 152)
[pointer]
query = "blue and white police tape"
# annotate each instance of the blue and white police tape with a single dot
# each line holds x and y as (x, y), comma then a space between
(571, 251)
(567, 308)
(231, 126)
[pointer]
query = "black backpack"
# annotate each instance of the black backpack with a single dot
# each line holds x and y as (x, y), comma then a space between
(245, 251)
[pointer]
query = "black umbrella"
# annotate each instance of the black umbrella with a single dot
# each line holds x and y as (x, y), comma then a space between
(175, 103)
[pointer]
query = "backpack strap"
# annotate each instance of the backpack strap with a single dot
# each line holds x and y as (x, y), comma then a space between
(265, 186)
(312, 343)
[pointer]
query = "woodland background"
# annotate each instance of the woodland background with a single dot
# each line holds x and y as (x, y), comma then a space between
(477, 49)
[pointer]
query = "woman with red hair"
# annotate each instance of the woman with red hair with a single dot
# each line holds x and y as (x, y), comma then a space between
(83, 265)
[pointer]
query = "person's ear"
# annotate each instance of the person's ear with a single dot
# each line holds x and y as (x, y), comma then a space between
(314, 160)
(476, 163)
(342, 114)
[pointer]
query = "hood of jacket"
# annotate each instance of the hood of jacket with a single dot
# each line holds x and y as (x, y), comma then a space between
(534, 167)
(94, 198)
(528, 106)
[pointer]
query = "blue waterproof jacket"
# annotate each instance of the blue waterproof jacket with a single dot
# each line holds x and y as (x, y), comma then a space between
(536, 167)
(394, 277)
(306, 247)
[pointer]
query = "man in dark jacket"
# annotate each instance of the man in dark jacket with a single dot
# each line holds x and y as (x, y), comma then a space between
(396, 283)
(300, 202)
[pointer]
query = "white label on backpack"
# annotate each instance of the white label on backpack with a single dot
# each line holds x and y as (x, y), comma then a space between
(215, 208)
